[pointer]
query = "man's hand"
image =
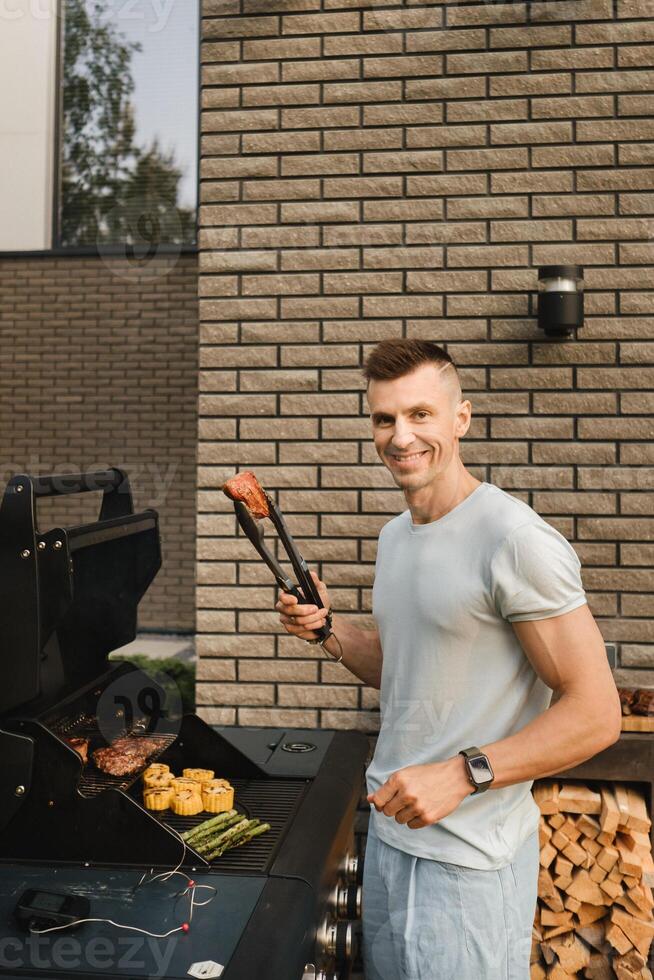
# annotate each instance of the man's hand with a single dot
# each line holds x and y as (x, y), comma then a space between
(303, 619)
(419, 796)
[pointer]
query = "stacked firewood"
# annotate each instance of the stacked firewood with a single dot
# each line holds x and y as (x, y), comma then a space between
(594, 916)
(637, 709)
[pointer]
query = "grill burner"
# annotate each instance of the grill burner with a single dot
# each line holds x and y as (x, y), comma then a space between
(69, 598)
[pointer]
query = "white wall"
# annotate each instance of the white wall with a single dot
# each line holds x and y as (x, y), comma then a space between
(28, 32)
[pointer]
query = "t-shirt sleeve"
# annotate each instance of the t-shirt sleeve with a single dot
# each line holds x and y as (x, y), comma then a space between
(535, 574)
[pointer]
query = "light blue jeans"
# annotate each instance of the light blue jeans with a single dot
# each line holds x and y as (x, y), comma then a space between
(429, 920)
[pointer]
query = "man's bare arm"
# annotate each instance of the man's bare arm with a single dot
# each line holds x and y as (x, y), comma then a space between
(360, 648)
(567, 652)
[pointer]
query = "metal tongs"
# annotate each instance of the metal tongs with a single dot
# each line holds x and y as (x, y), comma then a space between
(255, 531)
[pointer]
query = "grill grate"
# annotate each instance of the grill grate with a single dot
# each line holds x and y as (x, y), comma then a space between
(273, 801)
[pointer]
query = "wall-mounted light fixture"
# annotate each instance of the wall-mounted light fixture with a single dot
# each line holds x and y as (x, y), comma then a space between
(560, 299)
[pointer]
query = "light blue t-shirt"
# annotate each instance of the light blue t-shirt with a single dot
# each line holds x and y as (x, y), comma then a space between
(454, 673)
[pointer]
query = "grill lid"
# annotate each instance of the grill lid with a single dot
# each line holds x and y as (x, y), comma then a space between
(69, 596)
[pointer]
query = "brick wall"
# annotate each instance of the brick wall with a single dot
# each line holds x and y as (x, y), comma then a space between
(374, 169)
(99, 368)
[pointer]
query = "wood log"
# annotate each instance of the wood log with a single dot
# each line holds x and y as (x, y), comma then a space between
(570, 829)
(642, 896)
(572, 904)
(544, 832)
(549, 918)
(564, 867)
(639, 820)
(547, 855)
(629, 966)
(553, 931)
(556, 820)
(578, 798)
(593, 935)
(609, 813)
(588, 914)
(585, 889)
(607, 858)
(546, 795)
(639, 933)
(559, 840)
(537, 972)
(618, 939)
(629, 862)
(622, 799)
(562, 882)
(611, 888)
(557, 972)
(575, 854)
(597, 873)
(573, 954)
(547, 891)
(589, 826)
(599, 968)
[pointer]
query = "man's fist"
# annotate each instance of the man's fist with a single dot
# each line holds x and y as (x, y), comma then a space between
(300, 619)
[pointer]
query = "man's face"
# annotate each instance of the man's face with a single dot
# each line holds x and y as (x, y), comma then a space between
(416, 423)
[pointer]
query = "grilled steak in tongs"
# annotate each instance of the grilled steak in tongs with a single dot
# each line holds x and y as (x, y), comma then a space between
(251, 501)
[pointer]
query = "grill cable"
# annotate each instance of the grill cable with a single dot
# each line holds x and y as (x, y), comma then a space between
(190, 890)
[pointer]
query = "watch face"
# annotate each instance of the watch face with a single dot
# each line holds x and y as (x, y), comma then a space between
(480, 770)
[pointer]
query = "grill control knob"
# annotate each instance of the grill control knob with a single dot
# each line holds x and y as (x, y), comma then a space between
(345, 902)
(350, 868)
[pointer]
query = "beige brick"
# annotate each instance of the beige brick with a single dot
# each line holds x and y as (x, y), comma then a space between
(319, 404)
(497, 305)
(363, 721)
(432, 136)
(617, 528)
(529, 182)
(622, 228)
(333, 306)
(402, 67)
(277, 670)
(237, 404)
(575, 503)
(492, 61)
(575, 403)
(225, 27)
(322, 118)
(572, 204)
(362, 282)
(279, 237)
(322, 23)
(445, 40)
(362, 139)
(594, 453)
(362, 91)
(229, 694)
(280, 95)
(385, 43)
(573, 107)
(464, 256)
(279, 380)
(389, 258)
(322, 695)
(242, 309)
(533, 478)
(362, 187)
(574, 57)
(324, 163)
(449, 184)
(301, 47)
(522, 133)
(627, 428)
(240, 214)
(635, 154)
(541, 377)
(418, 160)
(582, 253)
(635, 105)
(465, 87)
(573, 156)
(402, 306)
(278, 717)
(241, 74)
(402, 210)
(534, 84)
(496, 13)
(491, 159)
(235, 121)
(531, 428)
(280, 142)
(487, 110)
(319, 212)
(404, 114)
(320, 70)
(616, 81)
(280, 190)
(362, 235)
(405, 19)
(323, 258)
(533, 230)
(579, 10)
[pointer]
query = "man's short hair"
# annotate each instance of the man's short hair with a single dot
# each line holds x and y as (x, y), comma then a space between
(392, 359)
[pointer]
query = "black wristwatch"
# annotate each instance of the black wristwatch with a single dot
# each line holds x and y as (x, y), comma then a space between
(480, 771)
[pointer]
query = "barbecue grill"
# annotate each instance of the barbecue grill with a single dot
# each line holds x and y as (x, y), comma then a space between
(278, 908)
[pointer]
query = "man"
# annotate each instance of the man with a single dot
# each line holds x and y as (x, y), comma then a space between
(480, 615)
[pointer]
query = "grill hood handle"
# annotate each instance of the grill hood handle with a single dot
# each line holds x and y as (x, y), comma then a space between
(114, 483)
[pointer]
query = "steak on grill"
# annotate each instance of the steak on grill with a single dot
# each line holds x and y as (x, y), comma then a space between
(126, 756)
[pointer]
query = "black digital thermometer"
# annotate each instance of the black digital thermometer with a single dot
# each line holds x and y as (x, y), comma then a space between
(44, 910)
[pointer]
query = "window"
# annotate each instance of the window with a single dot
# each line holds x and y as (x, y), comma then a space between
(128, 123)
